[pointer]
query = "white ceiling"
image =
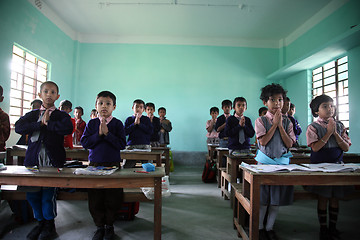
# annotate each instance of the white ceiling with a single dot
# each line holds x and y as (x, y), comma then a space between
(262, 23)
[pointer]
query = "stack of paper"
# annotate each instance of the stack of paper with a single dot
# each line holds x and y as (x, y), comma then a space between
(95, 170)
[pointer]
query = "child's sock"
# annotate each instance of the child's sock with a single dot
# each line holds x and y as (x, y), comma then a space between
(322, 218)
(262, 213)
(333, 215)
(273, 211)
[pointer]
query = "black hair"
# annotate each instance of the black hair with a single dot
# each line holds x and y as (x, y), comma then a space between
(271, 90)
(93, 111)
(81, 109)
(317, 101)
(287, 99)
(239, 99)
(107, 94)
(150, 104)
(36, 101)
(161, 108)
(214, 109)
(262, 109)
(66, 103)
(138, 101)
(292, 105)
(225, 103)
(49, 82)
(1, 91)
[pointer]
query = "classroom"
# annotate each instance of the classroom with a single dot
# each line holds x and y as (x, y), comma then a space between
(186, 56)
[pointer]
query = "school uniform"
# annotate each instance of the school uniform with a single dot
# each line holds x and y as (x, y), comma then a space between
(45, 149)
(139, 134)
(164, 136)
(330, 153)
(104, 204)
(234, 131)
(155, 137)
(213, 136)
(297, 129)
(275, 152)
(223, 139)
(5, 129)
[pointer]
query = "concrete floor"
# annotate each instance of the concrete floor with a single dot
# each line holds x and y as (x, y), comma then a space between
(194, 211)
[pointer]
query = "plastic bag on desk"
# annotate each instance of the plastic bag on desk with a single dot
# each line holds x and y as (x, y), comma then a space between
(165, 189)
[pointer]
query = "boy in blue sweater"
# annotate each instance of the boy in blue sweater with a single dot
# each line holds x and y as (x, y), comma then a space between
(138, 127)
(155, 121)
(104, 136)
(239, 128)
(46, 128)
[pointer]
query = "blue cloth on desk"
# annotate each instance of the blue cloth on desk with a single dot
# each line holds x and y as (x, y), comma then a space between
(264, 159)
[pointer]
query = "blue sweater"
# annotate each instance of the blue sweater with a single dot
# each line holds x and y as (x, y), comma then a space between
(138, 134)
(232, 129)
(220, 121)
(104, 148)
(52, 136)
(155, 137)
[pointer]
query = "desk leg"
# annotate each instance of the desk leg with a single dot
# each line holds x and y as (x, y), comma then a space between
(233, 179)
(219, 164)
(167, 163)
(157, 208)
(255, 208)
(158, 160)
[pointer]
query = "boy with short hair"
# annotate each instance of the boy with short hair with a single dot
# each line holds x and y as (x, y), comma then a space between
(66, 106)
(46, 128)
(212, 135)
(36, 104)
(221, 122)
(93, 114)
(166, 127)
(79, 124)
(239, 128)
(155, 121)
(4, 124)
(296, 125)
(104, 137)
(262, 111)
(286, 106)
(138, 127)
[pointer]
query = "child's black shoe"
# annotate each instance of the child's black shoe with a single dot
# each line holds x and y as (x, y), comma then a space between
(49, 231)
(324, 234)
(271, 235)
(35, 232)
(109, 232)
(262, 234)
(99, 234)
(334, 234)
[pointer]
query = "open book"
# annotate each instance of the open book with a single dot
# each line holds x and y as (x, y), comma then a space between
(334, 167)
(321, 167)
(136, 150)
(264, 168)
(95, 170)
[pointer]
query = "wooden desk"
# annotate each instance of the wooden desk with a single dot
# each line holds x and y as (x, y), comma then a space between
(221, 152)
(250, 196)
(84, 153)
(166, 153)
(126, 178)
(211, 150)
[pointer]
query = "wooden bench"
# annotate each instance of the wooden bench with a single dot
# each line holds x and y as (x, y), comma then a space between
(225, 180)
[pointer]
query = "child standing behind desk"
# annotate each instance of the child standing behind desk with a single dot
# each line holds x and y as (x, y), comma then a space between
(296, 125)
(221, 122)
(275, 136)
(328, 141)
(155, 121)
(4, 125)
(166, 127)
(104, 137)
(46, 128)
(66, 106)
(212, 135)
(79, 124)
(239, 128)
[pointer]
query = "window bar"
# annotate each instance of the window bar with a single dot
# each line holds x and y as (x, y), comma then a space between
(337, 88)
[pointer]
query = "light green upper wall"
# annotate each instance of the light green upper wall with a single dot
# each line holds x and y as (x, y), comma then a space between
(330, 28)
(315, 39)
(21, 23)
(187, 80)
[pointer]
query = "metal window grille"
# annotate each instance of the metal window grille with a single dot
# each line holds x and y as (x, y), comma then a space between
(332, 79)
(28, 72)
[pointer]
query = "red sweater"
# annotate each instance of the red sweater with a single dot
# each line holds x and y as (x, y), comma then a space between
(68, 139)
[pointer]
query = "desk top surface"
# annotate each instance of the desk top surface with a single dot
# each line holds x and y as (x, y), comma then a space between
(21, 171)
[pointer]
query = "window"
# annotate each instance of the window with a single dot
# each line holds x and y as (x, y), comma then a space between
(332, 79)
(28, 72)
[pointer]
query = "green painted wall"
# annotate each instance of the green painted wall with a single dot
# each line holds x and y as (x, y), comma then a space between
(354, 97)
(187, 80)
(309, 43)
(20, 22)
(331, 27)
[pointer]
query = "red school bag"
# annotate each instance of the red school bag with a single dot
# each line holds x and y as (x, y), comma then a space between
(209, 173)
